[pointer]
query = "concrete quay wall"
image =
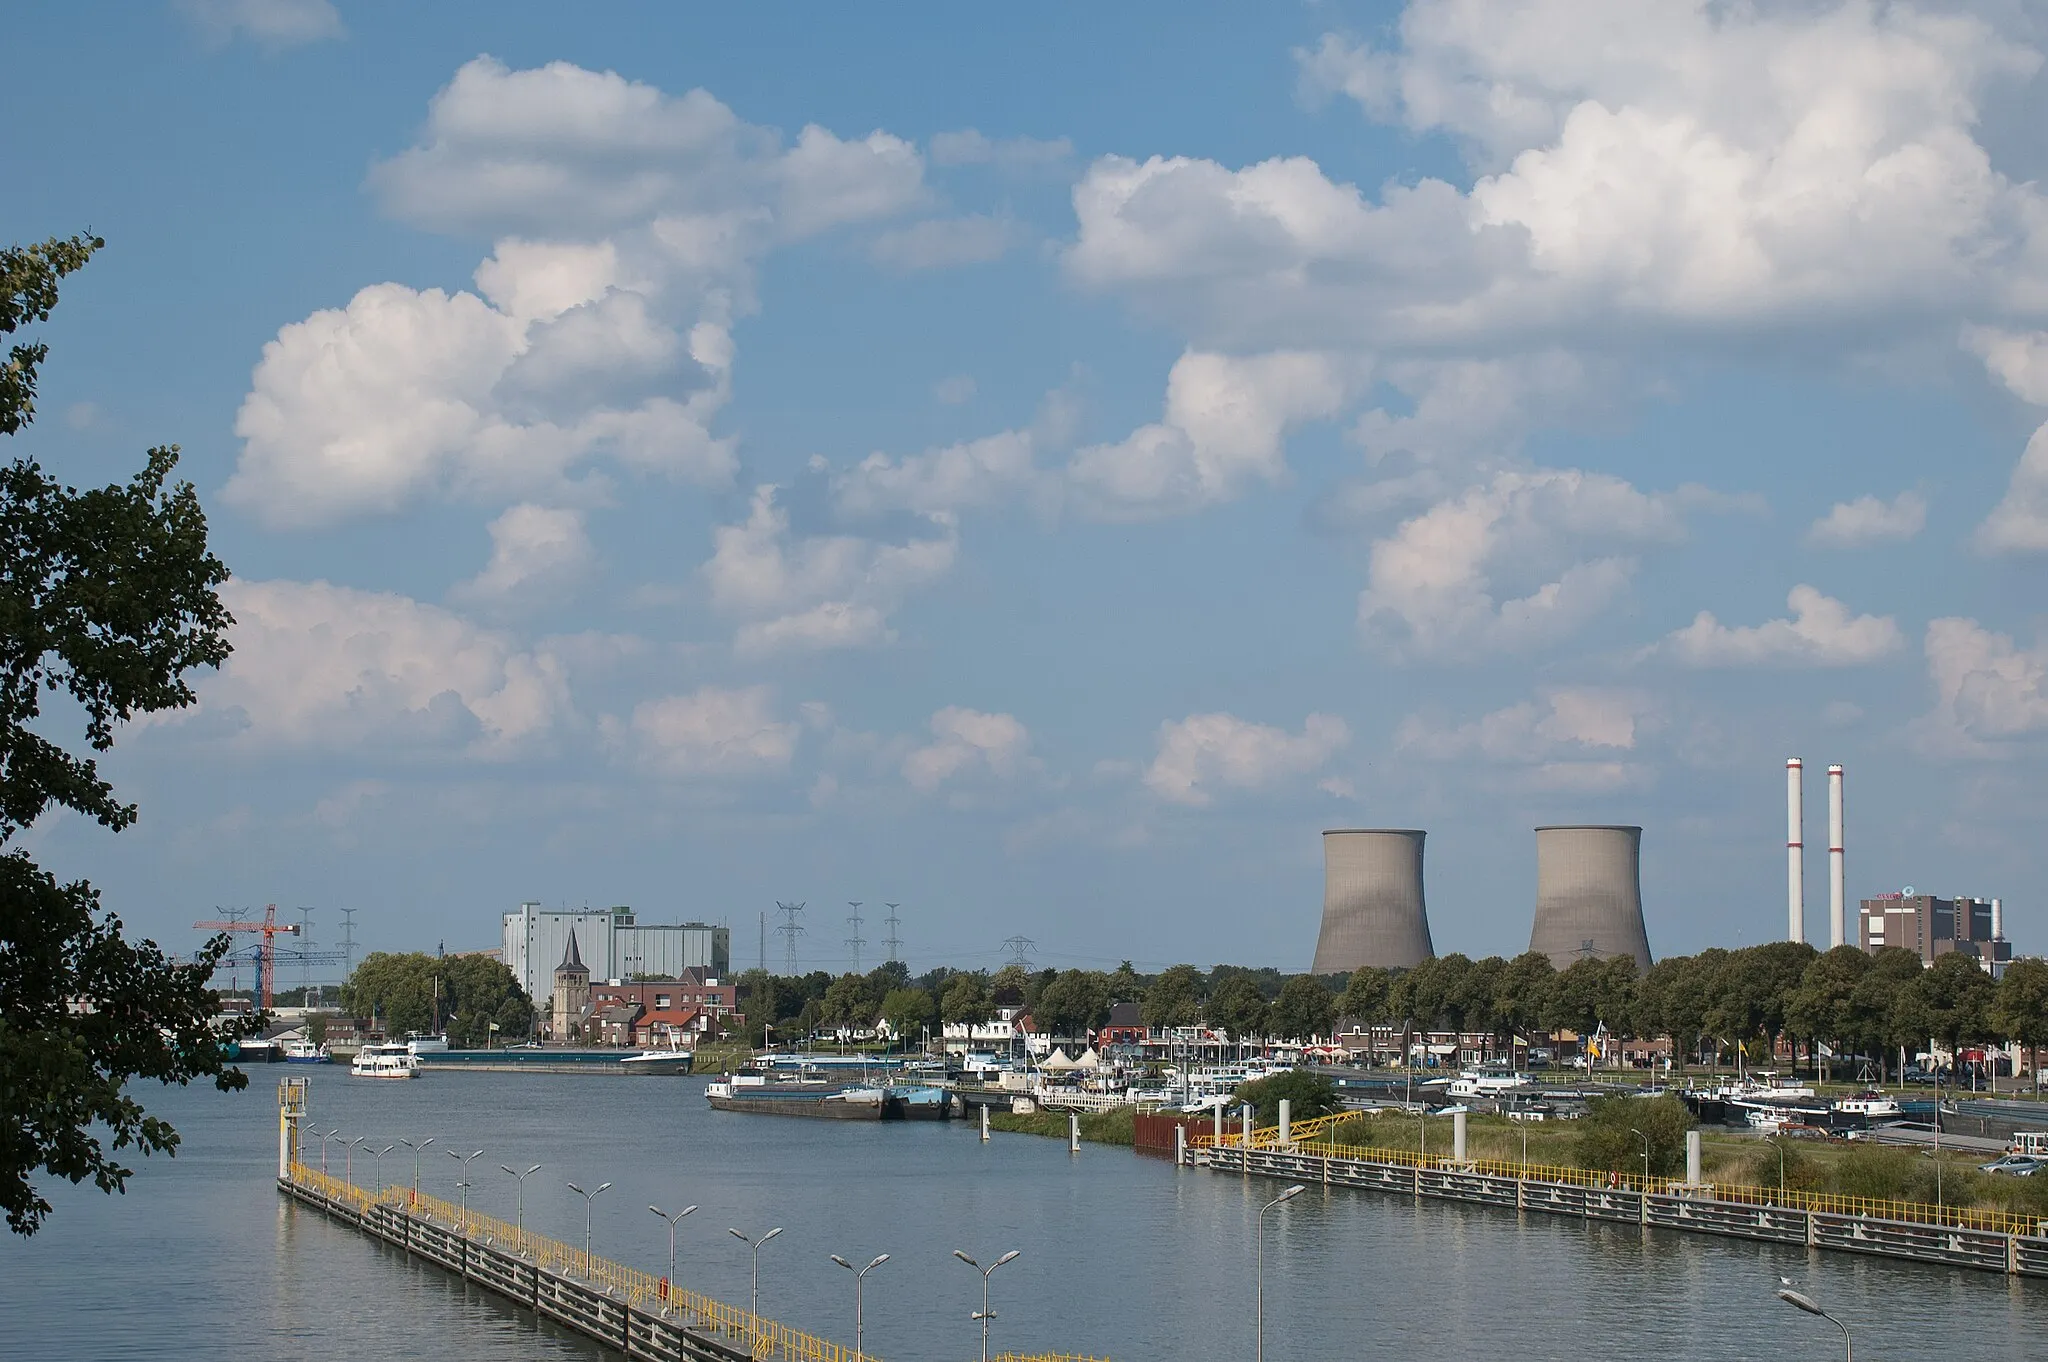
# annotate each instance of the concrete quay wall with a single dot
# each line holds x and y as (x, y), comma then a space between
(1691, 1209)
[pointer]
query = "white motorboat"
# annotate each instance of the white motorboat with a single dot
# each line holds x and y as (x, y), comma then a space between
(385, 1061)
(1487, 1083)
(306, 1052)
(1871, 1106)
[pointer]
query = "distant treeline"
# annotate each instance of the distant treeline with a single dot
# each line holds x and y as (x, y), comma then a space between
(1716, 1001)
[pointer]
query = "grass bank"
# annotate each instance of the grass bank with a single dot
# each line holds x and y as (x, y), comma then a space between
(1108, 1127)
(1883, 1172)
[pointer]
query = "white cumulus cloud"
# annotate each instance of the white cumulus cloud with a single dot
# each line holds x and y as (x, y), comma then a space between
(1870, 520)
(816, 592)
(1223, 428)
(966, 740)
(535, 551)
(1821, 632)
(327, 667)
(712, 731)
(1520, 561)
(1205, 753)
(1987, 691)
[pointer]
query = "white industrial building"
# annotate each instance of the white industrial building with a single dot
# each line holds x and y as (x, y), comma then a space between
(614, 944)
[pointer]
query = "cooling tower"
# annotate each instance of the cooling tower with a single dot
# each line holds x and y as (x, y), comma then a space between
(1589, 896)
(1372, 901)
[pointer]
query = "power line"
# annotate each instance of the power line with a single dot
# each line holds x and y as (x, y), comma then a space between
(893, 943)
(791, 929)
(1019, 949)
(348, 940)
(856, 941)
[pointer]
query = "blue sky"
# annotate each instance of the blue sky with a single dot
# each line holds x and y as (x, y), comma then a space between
(1043, 468)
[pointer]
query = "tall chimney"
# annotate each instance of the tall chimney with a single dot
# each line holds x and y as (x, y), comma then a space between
(1837, 883)
(1998, 919)
(1795, 852)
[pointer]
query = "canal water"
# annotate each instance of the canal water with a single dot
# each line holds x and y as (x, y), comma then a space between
(1122, 1257)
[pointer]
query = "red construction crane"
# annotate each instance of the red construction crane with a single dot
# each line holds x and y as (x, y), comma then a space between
(265, 963)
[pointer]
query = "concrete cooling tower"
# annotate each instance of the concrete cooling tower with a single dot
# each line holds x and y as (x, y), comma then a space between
(1372, 901)
(1589, 896)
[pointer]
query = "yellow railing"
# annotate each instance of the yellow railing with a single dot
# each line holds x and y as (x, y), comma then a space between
(1825, 1203)
(768, 1339)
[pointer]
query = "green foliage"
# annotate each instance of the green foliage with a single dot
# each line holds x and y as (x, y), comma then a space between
(1310, 1095)
(1074, 1003)
(316, 1028)
(1304, 1009)
(1175, 998)
(1606, 1135)
(1367, 995)
(1237, 1006)
(107, 598)
(402, 992)
(907, 1010)
(966, 999)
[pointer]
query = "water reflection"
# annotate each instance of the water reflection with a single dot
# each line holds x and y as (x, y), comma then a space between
(1124, 1257)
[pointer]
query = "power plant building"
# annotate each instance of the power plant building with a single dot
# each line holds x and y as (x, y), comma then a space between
(1373, 911)
(614, 941)
(1589, 895)
(1931, 927)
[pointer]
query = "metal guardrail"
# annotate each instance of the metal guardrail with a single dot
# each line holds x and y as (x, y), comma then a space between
(766, 1338)
(1302, 1141)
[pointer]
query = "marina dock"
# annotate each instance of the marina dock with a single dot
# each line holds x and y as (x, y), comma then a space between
(1991, 1241)
(645, 1317)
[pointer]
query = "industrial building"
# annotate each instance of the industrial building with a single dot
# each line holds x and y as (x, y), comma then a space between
(613, 941)
(1589, 895)
(1931, 927)
(1373, 912)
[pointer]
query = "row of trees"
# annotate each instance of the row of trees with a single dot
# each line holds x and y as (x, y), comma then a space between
(465, 993)
(1717, 1001)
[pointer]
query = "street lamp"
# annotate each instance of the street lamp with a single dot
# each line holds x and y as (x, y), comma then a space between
(671, 1234)
(379, 1154)
(1259, 1292)
(416, 1148)
(522, 1177)
(1646, 1157)
(464, 1159)
(1422, 1124)
(1778, 1142)
(588, 1198)
(348, 1158)
(754, 1308)
(1812, 1307)
(986, 1272)
(323, 1146)
(859, 1275)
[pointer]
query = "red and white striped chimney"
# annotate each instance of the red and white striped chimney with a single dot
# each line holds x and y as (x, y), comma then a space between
(1795, 851)
(1838, 904)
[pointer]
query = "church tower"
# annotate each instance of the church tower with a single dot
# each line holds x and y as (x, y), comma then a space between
(572, 991)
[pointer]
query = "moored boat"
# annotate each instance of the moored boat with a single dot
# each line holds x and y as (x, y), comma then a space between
(824, 1101)
(306, 1052)
(385, 1061)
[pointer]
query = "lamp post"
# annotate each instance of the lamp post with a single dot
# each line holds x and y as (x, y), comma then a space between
(1422, 1124)
(1259, 1290)
(859, 1275)
(754, 1307)
(464, 1159)
(671, 1219)
(348, 1158)
(416, 1148)
(1812, 1307)
(521, 1177)
(1646, 1157)
(379, 1154)
(323, 1146)
(985, 1314)
(588, 1198)
(1778, 1142)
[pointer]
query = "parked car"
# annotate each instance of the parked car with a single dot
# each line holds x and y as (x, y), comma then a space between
(2014, 1165)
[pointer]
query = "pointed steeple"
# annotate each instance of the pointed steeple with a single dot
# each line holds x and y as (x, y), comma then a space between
(572, 959)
